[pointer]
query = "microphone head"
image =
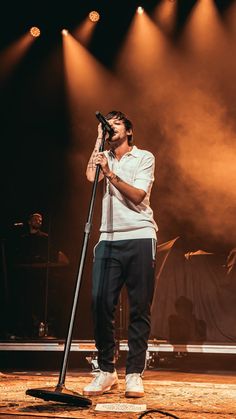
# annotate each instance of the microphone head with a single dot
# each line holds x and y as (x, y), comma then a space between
(104, 123)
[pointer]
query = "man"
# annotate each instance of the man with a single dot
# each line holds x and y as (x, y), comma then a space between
(33, 278)
(35, 224)
(124, 255)
(36, 240)
(35, 246)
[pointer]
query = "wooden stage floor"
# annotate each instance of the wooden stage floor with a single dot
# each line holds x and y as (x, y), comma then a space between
(184, 394)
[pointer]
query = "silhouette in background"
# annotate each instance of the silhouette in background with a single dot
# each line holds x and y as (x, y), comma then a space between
(34, 261)
(34, 246)
(184, 327)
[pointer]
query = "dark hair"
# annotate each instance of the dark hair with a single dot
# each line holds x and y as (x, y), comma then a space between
(127, 123)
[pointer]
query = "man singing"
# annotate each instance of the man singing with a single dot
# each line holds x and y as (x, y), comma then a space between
(124, 255)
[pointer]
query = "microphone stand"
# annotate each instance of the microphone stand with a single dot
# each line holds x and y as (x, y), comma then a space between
(60, 393)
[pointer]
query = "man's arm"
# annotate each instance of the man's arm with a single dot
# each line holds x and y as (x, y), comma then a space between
(92, 164)
(135, 195)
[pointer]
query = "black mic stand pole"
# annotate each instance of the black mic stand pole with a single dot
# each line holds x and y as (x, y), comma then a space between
(60, 393)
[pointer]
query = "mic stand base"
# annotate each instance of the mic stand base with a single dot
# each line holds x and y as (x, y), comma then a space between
(59, 394)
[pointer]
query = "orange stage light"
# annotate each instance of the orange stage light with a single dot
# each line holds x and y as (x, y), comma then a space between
(140, 10)
(94, 16)
(35, 31)
(84, 31)
(165, 15)
(12, 55)
(204, 28)
(137, 57)
(86, 81)
(64, 32)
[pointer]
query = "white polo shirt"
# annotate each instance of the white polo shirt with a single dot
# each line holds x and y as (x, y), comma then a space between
(121, 219)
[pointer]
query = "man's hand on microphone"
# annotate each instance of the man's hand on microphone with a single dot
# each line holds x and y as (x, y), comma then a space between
(102, 160)
(100, 133)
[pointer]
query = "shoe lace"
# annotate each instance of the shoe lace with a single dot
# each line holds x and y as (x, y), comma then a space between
(99, 377)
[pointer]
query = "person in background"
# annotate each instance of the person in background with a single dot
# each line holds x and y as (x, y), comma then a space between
(34, 246)
(34, 278)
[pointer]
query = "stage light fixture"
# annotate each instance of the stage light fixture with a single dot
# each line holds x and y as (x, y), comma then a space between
(64, 32)
(35, 32)
(94, 16)
(140, 10)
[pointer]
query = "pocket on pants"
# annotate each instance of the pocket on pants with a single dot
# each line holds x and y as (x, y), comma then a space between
(154, 249)
(94, 250)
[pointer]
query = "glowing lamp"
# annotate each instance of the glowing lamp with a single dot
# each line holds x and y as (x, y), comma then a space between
(94, 16)
(35, 32)
(64, 32)
(140, 10)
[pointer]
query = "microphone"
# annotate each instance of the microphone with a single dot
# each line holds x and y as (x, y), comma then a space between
(104, 123)
(18, 224)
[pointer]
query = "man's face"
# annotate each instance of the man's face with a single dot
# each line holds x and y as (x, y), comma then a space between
(120, 132)
(36, 221)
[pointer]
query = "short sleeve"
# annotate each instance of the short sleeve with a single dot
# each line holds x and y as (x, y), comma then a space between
(144, 177)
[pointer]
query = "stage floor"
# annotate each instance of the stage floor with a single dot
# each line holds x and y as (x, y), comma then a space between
(184, 394)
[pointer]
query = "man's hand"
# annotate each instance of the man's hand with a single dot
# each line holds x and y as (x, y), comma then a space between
(102, 160)
(100, 132)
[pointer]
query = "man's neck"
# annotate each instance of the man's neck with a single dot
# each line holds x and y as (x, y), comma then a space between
(121, 150)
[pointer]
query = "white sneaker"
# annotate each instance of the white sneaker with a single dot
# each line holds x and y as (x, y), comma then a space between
(103, 382)
(134, 385)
